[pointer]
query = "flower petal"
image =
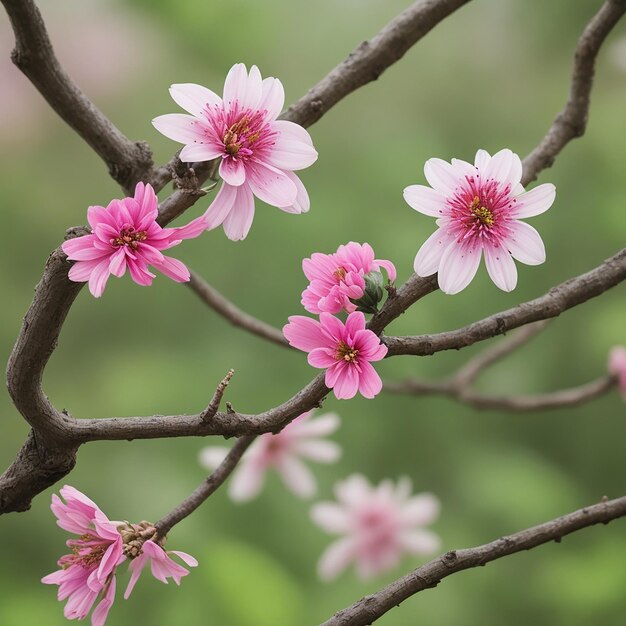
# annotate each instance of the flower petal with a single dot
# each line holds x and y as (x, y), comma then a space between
(296, 476)
(233, 171)
(271, 185)
(221, 206)
(458, 266)
(194, 98)
(426, 200)
(272, 97)
(428, 258)
(304, 333)
(500, 266)
(239, 220)
(525, 244)
(535, 201)
(205, 151)
(336, 558)
(180, 127)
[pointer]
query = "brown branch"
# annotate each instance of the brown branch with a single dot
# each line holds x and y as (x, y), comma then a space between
(207, 488)
(220, 304)
(559, 299)
(372, 607)
(571, 122)
(516, 403)
(128, 161)
(213, 406)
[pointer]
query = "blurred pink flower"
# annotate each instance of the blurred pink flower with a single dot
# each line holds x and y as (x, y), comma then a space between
(161, 565)
(617, 366)
(88, 573)
(125, 234)
(379, 525)
(336, 279)
(302, 438)
(345, 351)
(258, 152)
(478, 209)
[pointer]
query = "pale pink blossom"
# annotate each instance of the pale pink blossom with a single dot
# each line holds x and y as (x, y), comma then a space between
(125, 235)
(379, 525)
(161, 565)
(478, 209)
(301, 439)
(88, 573)
(617, 366)
(258, 153)
(344, 350)
(336, 280)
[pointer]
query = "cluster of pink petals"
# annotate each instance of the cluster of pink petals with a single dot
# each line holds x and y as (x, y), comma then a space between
(345, 351)
(258, 152)
(379, 525)
(301, 439)
(88, 573)
(125, 235)
(161, 565)
(617, 366)
(336, 279)
(478, 209)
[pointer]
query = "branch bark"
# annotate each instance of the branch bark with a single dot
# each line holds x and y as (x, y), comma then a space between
(372, 607)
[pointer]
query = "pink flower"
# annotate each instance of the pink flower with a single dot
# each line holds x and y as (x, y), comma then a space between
(338, 279)
(258, 152)
(379, 525)
(345, 351)
(88, 573)
(282, 452)
(125, 235)
(617, 366)
(478, 209)
(162, 566)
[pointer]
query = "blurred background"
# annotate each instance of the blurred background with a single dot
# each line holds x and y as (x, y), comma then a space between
(493, 75)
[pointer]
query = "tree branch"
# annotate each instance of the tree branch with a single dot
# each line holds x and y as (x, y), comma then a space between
(128, 161)
(206, 489)
(372, 607)
(571, 122)
(560, 298)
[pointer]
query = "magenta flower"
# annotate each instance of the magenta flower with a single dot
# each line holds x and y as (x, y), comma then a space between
(162, 566)
(88, 573)
(124, 235)
(617, 367)
(379, 525)
(478, 209)
(336, 280)
(258, 152)
(345, 351)
(282, 452)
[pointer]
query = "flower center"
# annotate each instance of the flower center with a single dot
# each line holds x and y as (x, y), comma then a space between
(481, 213)
(239, 134)
(346, 353)
(129, 237)
(339, 273)
(87, 551)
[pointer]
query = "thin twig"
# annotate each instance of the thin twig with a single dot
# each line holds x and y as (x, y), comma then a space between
(208, 486)
(213, 406)
(220, 304)
(372, 607)
(571, 122)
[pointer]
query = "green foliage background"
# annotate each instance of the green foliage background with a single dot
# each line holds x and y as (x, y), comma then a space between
(493, 75)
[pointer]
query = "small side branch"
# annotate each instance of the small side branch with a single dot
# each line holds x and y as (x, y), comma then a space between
(224, 307)
(571, 122)
(214, 405)
(208, 486)
(372, 607)
(128, 161)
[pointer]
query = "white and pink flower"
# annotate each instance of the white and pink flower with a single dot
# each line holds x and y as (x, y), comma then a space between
(617, 367)
(479, 208)
(345, 351)
(304, 438)
(379, 525)
(88, 573)
(258, 152)
(336, 280)
(125, 235)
